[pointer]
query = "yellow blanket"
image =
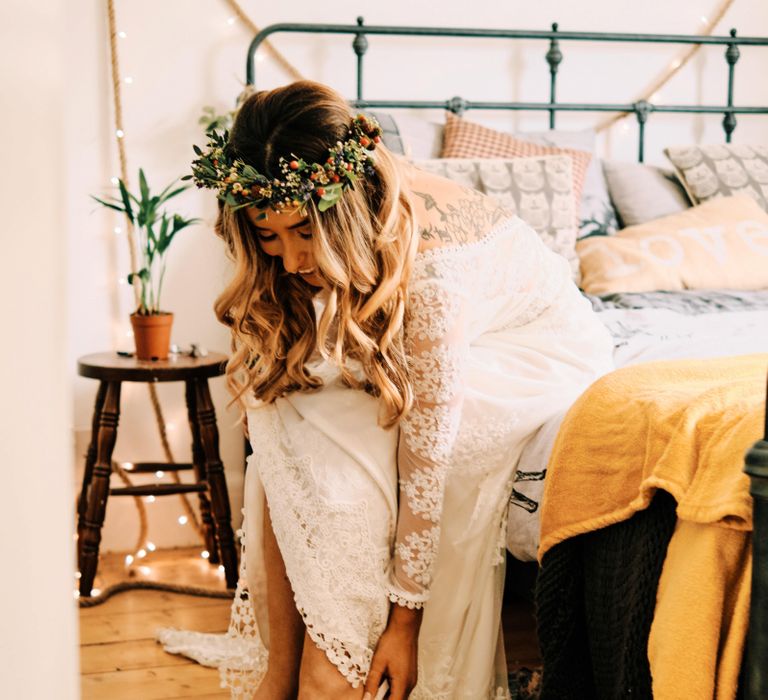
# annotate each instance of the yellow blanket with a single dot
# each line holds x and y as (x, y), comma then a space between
(682, 426)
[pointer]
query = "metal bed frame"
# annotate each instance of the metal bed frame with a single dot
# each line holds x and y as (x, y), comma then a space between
(756, 681)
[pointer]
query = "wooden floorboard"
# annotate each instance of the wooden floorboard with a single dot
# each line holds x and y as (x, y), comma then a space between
(120, 659)
(159, 683)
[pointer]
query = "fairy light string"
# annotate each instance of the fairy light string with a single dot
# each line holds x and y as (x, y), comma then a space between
(281, 60)
(683, 57)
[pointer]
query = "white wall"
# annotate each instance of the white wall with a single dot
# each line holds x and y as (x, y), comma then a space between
(184, 55)
(38, 633)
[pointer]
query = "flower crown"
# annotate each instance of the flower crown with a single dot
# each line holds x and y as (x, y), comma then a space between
(240, 185)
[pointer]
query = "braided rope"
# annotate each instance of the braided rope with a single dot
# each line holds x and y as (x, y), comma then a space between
(683, 57)
(122, 586)
(248, 22)
(118, 107)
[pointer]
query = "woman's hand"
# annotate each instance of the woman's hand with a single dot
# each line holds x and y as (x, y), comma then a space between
(396, 654)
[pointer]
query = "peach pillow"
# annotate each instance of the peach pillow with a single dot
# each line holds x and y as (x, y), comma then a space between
(721, 244)
(463, 139)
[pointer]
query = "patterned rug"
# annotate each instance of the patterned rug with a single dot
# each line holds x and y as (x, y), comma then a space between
(525, 684)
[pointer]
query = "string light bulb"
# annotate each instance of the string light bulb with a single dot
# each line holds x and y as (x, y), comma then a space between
(141, 553)
(160, 474)
(151, 546)
(128, 80)
(129, 560)
(115, 180)
(150, 499)
(183, 520)
(122, 35)
(205, 554)
(119, 133)
(231, 21)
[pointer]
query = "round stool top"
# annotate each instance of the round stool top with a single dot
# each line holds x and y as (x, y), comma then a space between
(111, 367)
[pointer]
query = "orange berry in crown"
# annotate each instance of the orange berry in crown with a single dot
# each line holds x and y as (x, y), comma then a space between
(377, 139)
(364, 141)
(335, 177)
(294, 165)
(320, 191)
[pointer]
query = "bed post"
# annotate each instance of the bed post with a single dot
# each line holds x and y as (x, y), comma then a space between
(757, 640)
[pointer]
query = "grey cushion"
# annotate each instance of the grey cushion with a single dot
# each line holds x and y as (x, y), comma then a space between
(641, 192)
(390, 133)
(720, 170)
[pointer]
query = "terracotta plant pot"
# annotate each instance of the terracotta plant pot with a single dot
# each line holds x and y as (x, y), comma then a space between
(152, 335)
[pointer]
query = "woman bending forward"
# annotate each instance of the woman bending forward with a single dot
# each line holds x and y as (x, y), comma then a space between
(397, 338)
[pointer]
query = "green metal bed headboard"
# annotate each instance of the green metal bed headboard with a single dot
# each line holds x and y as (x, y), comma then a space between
(554, 56)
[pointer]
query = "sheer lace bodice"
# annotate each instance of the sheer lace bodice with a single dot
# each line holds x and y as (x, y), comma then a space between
(456, 294)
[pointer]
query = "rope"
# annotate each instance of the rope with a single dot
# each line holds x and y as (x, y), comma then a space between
(122, 586)
(248, 22)
(666, 75)
(169, 456)
(118, 109)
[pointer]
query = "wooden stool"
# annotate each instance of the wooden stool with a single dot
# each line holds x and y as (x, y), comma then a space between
(112, 369)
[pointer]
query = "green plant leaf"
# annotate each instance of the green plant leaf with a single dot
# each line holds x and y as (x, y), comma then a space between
(163, 239)
(126, 199)
(107, 204)
(143, 187)
(165, 197)
(142, 274)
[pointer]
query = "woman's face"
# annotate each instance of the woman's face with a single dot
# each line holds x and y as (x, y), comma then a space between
(287, 235)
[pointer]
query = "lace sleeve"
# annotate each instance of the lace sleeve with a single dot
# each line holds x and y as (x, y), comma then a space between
(435, 341)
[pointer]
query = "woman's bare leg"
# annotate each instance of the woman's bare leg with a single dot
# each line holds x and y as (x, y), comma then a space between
(319, 679)
(286, 628)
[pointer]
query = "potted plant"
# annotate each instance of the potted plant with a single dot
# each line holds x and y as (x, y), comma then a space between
(156, 230)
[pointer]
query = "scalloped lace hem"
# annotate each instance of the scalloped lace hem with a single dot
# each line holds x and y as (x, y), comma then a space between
(413, 604)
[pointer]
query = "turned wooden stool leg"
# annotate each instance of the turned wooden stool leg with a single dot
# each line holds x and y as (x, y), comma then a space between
(98, 491)
(214, 469)
(198, 459)
(90, 458)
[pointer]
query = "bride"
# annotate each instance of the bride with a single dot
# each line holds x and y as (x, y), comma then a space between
(396, 340)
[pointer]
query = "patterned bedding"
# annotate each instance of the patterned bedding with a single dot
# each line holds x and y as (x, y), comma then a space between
(645, 326)
(685, 302)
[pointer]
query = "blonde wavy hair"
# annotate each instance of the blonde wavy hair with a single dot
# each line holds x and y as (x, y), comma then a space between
(364, 247)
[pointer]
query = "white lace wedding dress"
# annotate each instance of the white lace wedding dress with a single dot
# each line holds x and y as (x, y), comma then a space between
(500, 340)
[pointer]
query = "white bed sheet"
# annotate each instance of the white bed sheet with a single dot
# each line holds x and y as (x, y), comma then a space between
(640, 335)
